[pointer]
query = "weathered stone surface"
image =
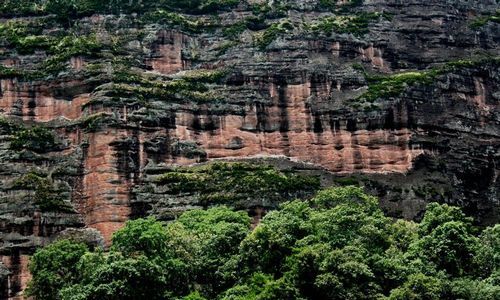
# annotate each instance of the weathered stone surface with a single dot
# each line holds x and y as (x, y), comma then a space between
(146, 103)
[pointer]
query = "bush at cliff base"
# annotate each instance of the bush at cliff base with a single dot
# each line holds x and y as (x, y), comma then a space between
(338, 245)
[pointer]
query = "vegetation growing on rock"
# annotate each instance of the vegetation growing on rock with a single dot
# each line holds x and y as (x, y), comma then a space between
(356, 24)
(190, 86)
(263, 39)
(46, 196)
(338, 245)
(38, 139)
(233, 182)
(336, 4)
(165, 17)
(24, 36)
(481, 21)
(7, 127)
(68, 10)
(386, 86)
(136, 85)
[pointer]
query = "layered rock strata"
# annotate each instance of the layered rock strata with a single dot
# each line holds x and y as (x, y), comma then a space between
(157, 94)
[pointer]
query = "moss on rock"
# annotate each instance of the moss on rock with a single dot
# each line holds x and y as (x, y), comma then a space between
(37, 139)
(224, 182)
(46, 196)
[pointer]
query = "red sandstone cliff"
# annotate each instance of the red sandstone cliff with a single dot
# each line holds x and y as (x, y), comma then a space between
(141, 105)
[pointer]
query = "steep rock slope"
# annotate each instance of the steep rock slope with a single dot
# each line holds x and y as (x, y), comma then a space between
(100, 110)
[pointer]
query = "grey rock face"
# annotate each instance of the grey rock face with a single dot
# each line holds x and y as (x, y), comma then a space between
(404, 101)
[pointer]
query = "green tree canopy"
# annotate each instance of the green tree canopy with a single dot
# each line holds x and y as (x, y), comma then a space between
(337, 245)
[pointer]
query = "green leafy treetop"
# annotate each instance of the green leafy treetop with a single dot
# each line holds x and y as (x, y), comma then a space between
(338, 245)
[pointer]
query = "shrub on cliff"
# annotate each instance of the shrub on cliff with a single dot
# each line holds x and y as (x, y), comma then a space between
(6, 126)
(37, 139)
(192, 6)
(46, 196)
(10, 8)
(231, 183)
(68, 10)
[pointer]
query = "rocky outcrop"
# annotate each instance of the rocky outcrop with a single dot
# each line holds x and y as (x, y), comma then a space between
(404, 102)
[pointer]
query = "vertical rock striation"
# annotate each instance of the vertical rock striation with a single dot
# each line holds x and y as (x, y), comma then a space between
(404, 102)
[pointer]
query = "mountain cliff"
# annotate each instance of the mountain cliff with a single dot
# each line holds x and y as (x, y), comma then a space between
(112, 110)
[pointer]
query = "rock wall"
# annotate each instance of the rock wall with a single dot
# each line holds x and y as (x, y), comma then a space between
(158, 94)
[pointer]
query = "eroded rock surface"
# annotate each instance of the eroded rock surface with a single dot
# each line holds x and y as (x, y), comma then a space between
(154, 95)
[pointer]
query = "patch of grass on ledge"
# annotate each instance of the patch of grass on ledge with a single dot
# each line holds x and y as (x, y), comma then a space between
(223, 182)
(59, 51)
(192, 85)
(46, 197)
(205, 75)
(10, 8)
(390, 86)
(233, 31)
(357, 24)
(7, 126)
(37, 139)
(8, 72)
(481, 21)
(174, 19)
(92, 123)
(395, 84)
(336, 4)
(24, 36)
(266, 37)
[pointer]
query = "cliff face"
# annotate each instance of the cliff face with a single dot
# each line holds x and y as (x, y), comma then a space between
(402, 98)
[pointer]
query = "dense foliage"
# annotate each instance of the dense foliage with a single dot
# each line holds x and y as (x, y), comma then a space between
(339, 245)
